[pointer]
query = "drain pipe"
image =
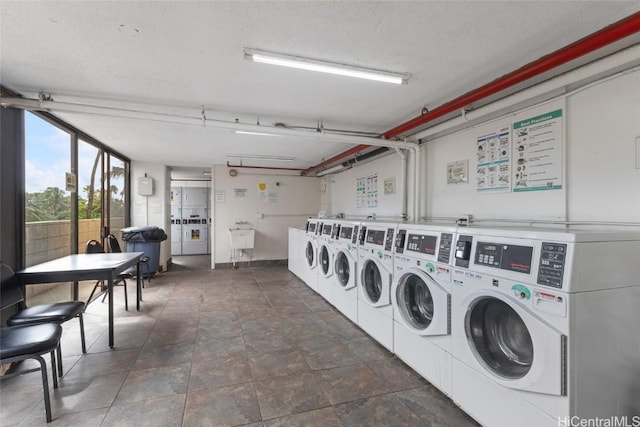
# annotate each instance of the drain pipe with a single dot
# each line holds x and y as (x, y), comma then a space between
(403, 183)
(417, 153)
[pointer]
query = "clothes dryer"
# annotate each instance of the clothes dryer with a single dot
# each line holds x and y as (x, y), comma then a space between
(325, 259)
(345, 269)
(310, 253)
(544, 326)
(375, 266)
(421, 296)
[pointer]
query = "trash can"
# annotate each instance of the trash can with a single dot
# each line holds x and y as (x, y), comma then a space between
(147, 240)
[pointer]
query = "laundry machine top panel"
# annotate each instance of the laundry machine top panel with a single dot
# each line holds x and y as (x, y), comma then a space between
(377, 235)
(426, 242)
(570, 261)
(346, 232)
(312, 226)
(573, 234)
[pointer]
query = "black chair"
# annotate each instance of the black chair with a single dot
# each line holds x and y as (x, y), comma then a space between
(114, 247)
(95, 247)
(19, 343)
(57, 312)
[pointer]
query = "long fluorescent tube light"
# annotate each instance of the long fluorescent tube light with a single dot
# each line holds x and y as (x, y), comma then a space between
(244, 132)
(332, 169)
(261, 157)
(309, 64)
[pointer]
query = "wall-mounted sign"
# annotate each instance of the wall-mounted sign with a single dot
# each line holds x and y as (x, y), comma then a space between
(240, 192)
(367, 191)
(537, 153)
(390, 185)
(458, 172)
(493, 153)
(70, 182)
(219, 196)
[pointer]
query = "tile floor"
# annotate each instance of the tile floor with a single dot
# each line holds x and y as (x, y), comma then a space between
(253, 346)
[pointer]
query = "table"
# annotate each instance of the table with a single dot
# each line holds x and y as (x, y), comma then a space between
(73, 268)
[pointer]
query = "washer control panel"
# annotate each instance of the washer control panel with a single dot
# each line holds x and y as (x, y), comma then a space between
(552, 261)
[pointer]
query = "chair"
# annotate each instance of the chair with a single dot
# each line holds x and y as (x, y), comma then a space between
(114, 247)
(31, 342)
(95, 247)
(57, 312)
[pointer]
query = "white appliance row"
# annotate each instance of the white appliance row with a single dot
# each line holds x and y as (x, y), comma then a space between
(519, 326)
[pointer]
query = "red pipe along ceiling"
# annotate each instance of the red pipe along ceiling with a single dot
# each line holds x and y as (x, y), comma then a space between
(613, 33)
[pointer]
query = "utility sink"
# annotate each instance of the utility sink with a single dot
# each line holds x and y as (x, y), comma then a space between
(242, 238)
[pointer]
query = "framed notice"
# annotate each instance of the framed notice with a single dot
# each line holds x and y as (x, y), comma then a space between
(537, 153)
(493, 167)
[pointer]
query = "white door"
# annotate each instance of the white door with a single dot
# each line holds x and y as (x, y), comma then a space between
(517, 348)
(423, 305)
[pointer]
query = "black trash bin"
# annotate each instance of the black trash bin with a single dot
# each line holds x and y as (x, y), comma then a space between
(147, 240)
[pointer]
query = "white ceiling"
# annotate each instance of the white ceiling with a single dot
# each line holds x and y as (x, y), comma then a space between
(180, 56)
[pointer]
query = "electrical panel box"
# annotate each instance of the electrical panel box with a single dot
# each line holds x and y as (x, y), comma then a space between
(145, 186)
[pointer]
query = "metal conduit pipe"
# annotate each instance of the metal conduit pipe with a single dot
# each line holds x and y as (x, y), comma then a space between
(52, 106)
(606, 36)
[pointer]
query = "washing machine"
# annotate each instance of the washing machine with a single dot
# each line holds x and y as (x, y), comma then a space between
(375, 274)
(421, 299)
(544, 326)
(345, 274)
(325, 259)
(309, 248)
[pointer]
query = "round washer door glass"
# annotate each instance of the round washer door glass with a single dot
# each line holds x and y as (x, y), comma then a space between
(324, 259)
(500, 338)
(342, 269)
(415, 301)
(309, 254)
(372, 281)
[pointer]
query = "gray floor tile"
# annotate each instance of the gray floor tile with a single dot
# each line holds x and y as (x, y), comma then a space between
(154, 382)
(224, 406)
(219, 372)
(325, 417)
(387, 410)
(282, 396)
(163, 411)
(351, 382)
(277, 364)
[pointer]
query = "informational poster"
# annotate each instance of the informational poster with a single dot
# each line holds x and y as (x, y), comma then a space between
(219, 196)
(240, 192)
(493, 171)
(537, 153)
(367, 191)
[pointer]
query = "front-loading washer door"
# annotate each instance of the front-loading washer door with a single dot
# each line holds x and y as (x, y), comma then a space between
(344, 269)
(375, 283)
(310, 255)
(324, 258)
(515, 346)
(424, 306)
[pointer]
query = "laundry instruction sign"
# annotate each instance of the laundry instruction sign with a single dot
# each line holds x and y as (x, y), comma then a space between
(537, 153)
(493, 154)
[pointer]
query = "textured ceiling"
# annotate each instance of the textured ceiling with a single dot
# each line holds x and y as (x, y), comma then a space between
(175, 54)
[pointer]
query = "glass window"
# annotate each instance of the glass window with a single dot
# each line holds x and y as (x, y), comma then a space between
(47, 202)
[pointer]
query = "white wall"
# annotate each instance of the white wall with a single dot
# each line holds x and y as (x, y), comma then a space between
(296, 198)
(154, 210)
(601, 182)
(342, 189)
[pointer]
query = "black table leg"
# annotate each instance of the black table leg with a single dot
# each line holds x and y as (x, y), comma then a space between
(110, 291)
(139, 285)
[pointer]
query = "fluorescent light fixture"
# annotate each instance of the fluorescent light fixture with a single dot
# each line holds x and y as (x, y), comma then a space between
(244, 132)
(332, 169)
(302, 63)
(261, 157)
